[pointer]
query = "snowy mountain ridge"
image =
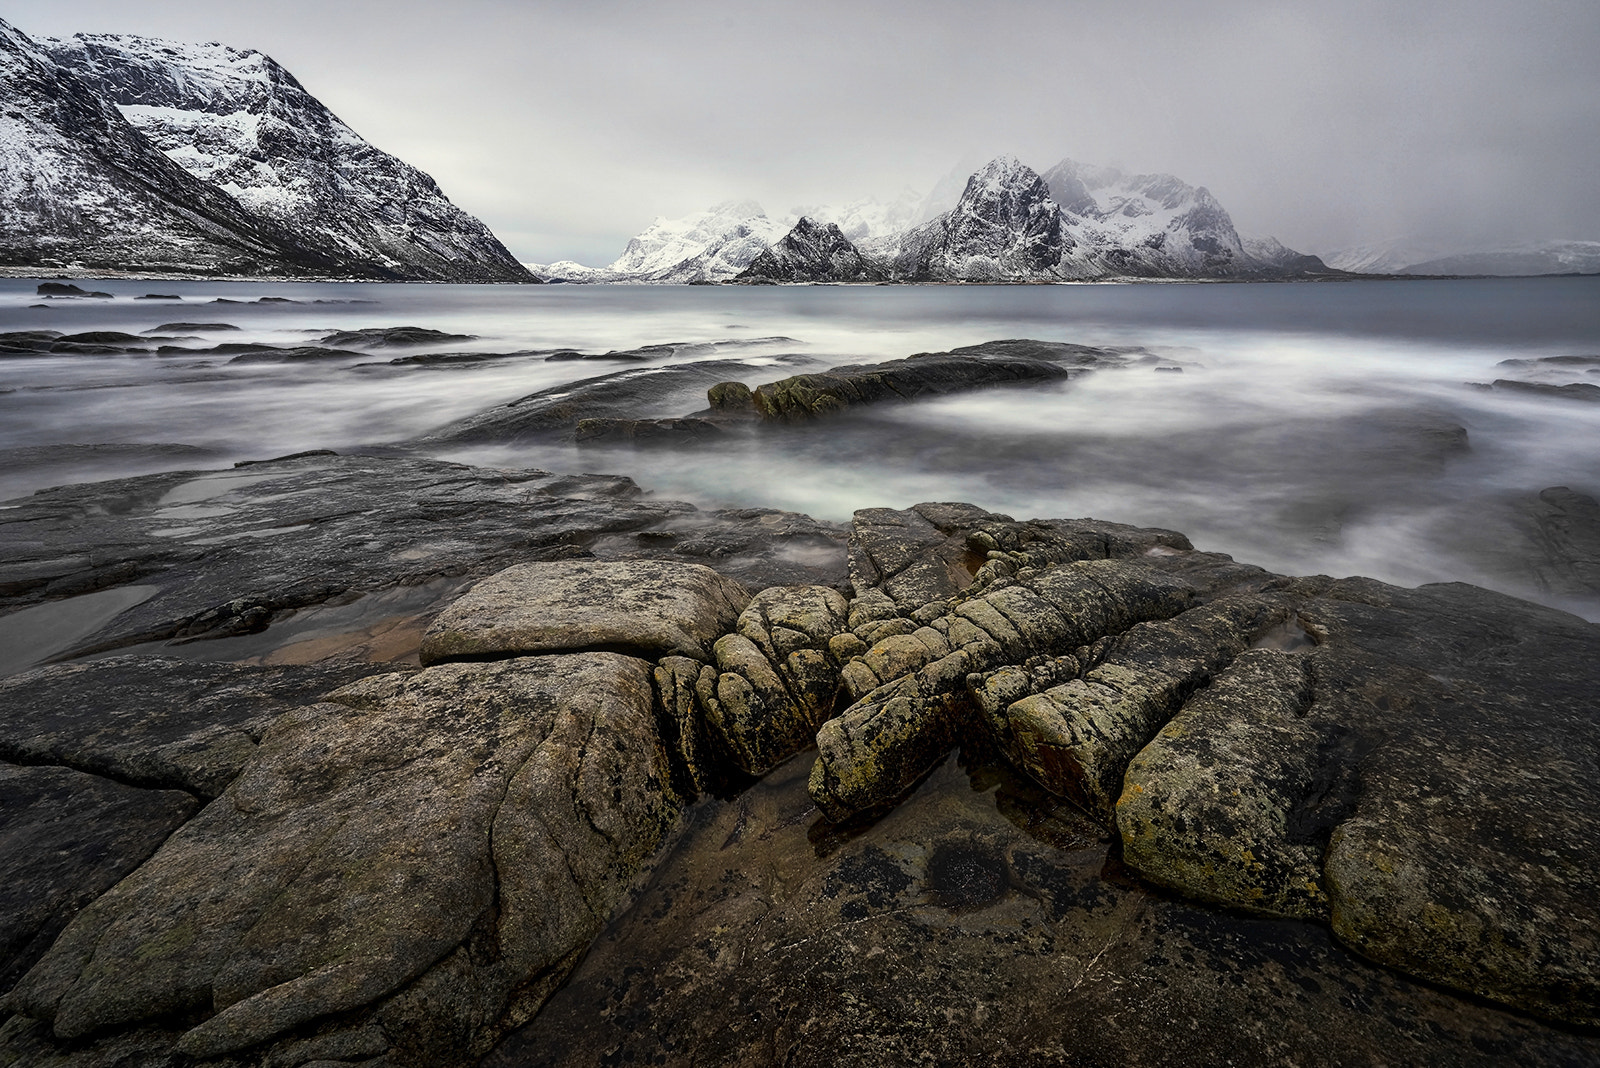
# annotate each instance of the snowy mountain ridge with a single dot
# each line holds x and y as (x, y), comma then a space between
(1007, 223)
(286, 187)
(1413, 255)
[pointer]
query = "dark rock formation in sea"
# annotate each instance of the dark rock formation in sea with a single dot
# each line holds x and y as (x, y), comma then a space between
(812, 252)
(134, 154)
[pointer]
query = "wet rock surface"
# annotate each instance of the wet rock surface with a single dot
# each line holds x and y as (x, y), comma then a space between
(1081, 793)
(155, 722)
(225, 553)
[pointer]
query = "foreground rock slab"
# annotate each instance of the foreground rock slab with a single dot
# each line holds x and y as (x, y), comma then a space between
(417, 850)
(65, 838)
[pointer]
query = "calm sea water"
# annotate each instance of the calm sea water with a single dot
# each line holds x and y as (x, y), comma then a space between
(1310, 430)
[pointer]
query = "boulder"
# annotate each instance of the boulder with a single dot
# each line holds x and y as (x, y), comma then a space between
(644, 607)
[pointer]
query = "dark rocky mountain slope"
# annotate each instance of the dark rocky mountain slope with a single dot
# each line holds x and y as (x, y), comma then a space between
(132, 154)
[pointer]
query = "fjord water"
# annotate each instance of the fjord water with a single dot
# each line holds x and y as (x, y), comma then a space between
(1313, 427)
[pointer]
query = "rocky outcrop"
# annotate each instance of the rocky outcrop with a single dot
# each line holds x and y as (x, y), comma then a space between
(408, 867)
(812, 252)
(931, 374)
(413, 850)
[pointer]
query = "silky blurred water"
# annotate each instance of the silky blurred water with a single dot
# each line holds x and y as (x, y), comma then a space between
(1309, 430)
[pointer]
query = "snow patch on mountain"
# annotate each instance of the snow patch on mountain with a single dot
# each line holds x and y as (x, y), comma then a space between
(81, 190)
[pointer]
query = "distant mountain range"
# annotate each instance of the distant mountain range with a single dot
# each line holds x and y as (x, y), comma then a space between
(123, 153)
(1008, 223)
(1416, 256)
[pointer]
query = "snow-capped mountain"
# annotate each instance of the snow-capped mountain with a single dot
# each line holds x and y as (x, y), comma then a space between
(237, 120)
(79, 186)
(1416, 256)
(812, 252)
(1151, 226)
(1008, 224)
(867, 220)
(1005, 226)
(1080, 223)
(708, 246)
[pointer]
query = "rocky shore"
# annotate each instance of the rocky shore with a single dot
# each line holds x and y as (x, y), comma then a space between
(377, 760)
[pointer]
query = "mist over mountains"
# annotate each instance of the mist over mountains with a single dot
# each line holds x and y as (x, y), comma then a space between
(128, 154)
(1007, 223)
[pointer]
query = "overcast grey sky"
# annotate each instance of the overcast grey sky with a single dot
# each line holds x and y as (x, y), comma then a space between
(567, 127)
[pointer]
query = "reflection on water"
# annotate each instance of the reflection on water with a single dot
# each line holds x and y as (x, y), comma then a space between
(34, 634)
(1313, 427)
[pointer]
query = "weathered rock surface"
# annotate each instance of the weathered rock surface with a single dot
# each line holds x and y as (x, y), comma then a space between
(154, 722)
(1214, 807)
(1369, 774)
(65, 838)
(419, 851)
(1076, 738)
(409, 867)
(993, 592)
(643, 607)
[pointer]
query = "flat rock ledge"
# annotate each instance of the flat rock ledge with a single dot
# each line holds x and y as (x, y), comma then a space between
(398, 868)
